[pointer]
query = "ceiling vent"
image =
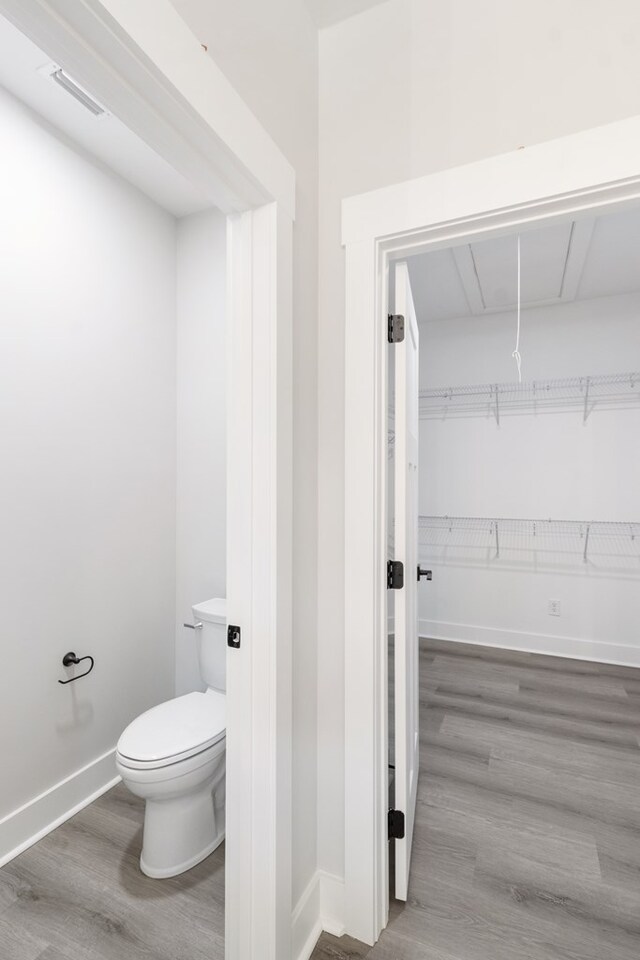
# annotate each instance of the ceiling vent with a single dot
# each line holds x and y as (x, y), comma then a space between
(59, 76)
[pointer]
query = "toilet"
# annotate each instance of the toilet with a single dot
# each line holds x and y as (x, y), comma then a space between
(173, 756)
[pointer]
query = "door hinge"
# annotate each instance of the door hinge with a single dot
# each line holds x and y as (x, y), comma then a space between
(395, 575)
(395, 820)
(395, 328)
(233, 636)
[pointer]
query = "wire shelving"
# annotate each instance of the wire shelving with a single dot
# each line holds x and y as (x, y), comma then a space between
(613, 537)
(588, 393)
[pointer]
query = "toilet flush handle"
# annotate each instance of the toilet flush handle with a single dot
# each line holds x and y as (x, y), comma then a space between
(193, 626)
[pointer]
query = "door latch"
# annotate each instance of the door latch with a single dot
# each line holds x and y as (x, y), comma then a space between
(427, 574)
(395, 824)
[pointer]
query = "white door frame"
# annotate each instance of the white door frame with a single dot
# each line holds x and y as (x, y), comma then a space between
(598, 168)
(141, 61)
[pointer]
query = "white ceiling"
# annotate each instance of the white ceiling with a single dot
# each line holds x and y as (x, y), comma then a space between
(105, 138)
(559, 263)
(327, 12)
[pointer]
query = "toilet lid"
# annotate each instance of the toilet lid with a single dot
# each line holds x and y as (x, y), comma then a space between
(176, 729)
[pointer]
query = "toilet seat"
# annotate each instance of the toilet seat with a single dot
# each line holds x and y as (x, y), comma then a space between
(174, 731)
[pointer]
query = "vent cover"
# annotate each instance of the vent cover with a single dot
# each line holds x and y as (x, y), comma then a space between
(58, 75)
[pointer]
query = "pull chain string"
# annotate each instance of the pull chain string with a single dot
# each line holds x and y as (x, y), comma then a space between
(516, 353)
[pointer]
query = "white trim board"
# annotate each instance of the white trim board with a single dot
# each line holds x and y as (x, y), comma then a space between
(145, 65)
(35, 819)
(572, 169)
(320, 908)
(306, 922)
(572, 648)
(259, 529)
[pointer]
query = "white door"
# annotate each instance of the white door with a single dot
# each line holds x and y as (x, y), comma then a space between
(406, 673)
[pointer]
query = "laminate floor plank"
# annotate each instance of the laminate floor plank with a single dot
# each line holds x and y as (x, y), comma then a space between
(121, 802)
(527, 836)
(605, 762)
(19, 944)
(466, 652)
(479, 673)
(94, 920)
(79, 894)
(598, 722)
(594, 902)
(578, 795)
(52, 954)
(394, 947)
(527, 830)
(485, 921)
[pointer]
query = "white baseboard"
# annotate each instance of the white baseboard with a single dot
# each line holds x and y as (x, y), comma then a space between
(556, 646)
(35, 819)
(306, 924)
(321, 907)
(332, 903)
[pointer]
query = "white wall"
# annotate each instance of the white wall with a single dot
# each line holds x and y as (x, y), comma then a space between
(534, 466)
(407, 88)
(201, 434)
(87, 487)
(269, 52)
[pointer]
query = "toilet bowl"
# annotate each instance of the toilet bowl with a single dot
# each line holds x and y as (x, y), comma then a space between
(173, 757)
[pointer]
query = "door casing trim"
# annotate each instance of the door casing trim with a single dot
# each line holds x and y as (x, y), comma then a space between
(596, 170)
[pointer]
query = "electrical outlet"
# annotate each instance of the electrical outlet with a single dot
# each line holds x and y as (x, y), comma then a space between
(553, 608)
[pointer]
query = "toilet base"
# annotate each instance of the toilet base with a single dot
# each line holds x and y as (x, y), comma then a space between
(181, 830)
(174, 871)
(184, 817)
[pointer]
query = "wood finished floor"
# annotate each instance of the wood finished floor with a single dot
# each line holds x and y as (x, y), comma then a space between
(527, 837)
(527, 842)
(79, 894)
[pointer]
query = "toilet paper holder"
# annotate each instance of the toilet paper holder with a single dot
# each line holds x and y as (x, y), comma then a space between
(70, 659)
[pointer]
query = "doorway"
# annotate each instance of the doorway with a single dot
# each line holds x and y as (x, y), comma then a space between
(556, 182)
(513, 703)
(111, 61)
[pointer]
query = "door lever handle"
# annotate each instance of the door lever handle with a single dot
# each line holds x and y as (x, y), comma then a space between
(427, 574)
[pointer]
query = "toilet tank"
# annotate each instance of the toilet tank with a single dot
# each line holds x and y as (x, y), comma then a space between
(212, 614)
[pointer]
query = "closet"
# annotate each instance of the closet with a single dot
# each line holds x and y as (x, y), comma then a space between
(528, 483)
